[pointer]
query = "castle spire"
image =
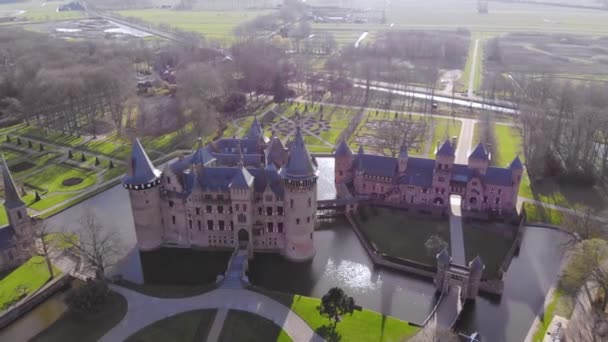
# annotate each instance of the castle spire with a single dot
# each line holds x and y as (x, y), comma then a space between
(11, 196)
(299, 164)
(141, 173)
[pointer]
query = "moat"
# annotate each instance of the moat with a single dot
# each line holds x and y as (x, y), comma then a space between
(342, 261)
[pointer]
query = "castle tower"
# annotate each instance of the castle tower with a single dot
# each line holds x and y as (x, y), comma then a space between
(442, 278)
(444, 163)
(241, 194)
(16, 210)
(403, 156)
(445, 156)
(143, 180)
(343, 163)
(476, 268)
(517, 171)
(299, 176)
(479, 159)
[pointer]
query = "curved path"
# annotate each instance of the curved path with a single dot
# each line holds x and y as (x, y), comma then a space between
(144, 310)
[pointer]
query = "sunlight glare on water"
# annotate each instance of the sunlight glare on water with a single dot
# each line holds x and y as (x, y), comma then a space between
(353, 275)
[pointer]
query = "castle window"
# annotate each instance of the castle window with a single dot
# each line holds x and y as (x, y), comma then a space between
(190, 224)
(485, 199)
(242, 218)
(280, 211)
(309, 202)
(341, 173)
(291, 203)
(424, 191)
(270, 227)
(198, 211)
(171, 204)
(497, 200)
(210, 225)
(499, 191)
(268, 198)
(208, 209)
(308, 219)
(200, 225)
(311, 236)
(260, 211)
(221, 225)
(173, 219)
(268, 211)
(168, 180)
(208, 197)
(297, 221)
(220, 209)
(231, 225)
(280, 227)
(230, 209)
(220, 197)
(244, 207)
(441, 179)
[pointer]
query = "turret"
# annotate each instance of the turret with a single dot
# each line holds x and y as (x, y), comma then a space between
(143, 182)
(403, 156)
(344, 162)
(16, 210)
(299, 176)
(445, 155)
(479, 159)
(476, 268)
(442, 280)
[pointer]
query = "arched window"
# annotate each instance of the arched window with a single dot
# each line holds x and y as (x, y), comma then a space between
(309, 202)
(291, 203)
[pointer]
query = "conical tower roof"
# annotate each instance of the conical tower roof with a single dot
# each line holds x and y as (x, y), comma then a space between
(443, 257)
(140, 171)
(343, 150)
(299, 165)
(516, 164)
(446, 149)
(11, 196)
(242, 179)
(255, 131)
(476, 264)
(480, 152)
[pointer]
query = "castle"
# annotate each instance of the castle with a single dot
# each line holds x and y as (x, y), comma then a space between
(250, 191)
(427, 184)
(18, 233)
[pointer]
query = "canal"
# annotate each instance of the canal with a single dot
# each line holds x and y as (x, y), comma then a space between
(342, 261)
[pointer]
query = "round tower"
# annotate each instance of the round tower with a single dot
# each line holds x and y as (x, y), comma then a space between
(299, 176)
(343, 163)
(143, 180)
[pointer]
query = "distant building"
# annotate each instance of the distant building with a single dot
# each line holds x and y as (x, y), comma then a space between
(427, 183)
(250, 191)
(19, 224)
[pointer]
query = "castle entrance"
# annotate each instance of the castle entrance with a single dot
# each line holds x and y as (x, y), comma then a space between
(243, 237)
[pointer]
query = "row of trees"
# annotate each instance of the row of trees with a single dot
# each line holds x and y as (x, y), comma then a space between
(564, 129)
(64, 85)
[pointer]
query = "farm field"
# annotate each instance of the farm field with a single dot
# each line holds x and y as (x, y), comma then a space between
(37, 10)
(217, 25)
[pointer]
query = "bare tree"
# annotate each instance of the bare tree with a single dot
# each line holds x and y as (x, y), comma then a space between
(98, 248)
(393, 135)
(39, 241)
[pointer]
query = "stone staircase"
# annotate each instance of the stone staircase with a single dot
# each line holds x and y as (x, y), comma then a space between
(233, 277)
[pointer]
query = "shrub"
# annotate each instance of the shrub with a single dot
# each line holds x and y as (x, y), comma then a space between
(89, 298)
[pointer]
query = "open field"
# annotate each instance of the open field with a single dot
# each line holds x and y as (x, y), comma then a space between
(216, 25)
(187, 326)
(572, 56)
(444, 129)
(365, 325)
(38, 10)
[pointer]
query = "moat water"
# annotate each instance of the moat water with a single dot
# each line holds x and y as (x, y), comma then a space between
(341, 261)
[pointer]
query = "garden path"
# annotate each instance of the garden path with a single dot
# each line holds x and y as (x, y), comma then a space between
(144, 310)
(218, 323)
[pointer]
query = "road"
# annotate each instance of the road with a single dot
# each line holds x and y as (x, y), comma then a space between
(471, 92)
(465, 140)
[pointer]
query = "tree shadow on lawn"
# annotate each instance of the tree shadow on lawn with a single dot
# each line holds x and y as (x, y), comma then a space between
(569, 195)
(329, 333)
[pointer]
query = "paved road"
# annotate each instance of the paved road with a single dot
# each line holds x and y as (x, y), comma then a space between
(218, 323)
(472, 71)
(465, 141)
(144, 310)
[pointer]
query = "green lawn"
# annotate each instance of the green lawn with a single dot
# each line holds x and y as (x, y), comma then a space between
(217, 25)
(560, 304)
(30, 276)
(51, 178)
(509, 143)
(48, 135)
(247, 327)
(398, 234)
(185, 327)
(78, 327)
(539, 214)
(365, 325)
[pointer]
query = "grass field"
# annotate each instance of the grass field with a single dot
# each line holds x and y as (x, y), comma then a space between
(365, 325)
(187, 326)
(39, 10)
(214, 25)
(52, 177)
(245, 326)
(30, 276)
